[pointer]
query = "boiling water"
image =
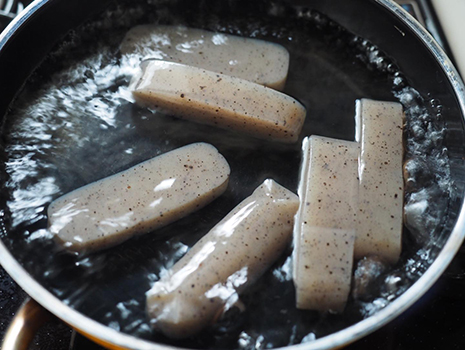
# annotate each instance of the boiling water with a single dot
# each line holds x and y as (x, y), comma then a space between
(75, 123)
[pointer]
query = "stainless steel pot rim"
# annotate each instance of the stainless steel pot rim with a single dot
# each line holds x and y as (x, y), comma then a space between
(343, 337)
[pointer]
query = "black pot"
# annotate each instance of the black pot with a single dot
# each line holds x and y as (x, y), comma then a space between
(397, 44)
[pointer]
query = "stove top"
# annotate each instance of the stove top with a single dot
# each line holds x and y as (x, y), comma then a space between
(436, 321)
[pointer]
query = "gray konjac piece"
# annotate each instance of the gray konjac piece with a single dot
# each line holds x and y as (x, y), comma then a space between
(221, 100)
(256, 60)
(235, 253)
(145, 197)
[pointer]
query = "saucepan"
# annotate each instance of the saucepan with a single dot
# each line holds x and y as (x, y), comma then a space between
(68, 120)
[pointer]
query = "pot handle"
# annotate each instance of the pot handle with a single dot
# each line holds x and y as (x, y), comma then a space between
(29, 318)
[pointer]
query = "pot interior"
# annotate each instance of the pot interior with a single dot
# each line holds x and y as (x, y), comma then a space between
(72, 124)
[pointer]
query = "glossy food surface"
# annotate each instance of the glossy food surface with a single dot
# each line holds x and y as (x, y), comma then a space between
(219, 100)
(138, 200)
(259, 61)
(325, 227)
(380, 128)
(209, 279)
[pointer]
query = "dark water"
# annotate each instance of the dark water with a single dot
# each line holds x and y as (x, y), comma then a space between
(74, 123)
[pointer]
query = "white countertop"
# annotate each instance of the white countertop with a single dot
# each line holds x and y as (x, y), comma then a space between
(451, 14)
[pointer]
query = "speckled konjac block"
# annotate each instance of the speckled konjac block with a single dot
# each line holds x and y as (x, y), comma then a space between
(143, 198)
(219, 100)
(256, 60)
(324, 230)
(238, 250)
(381, 192)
